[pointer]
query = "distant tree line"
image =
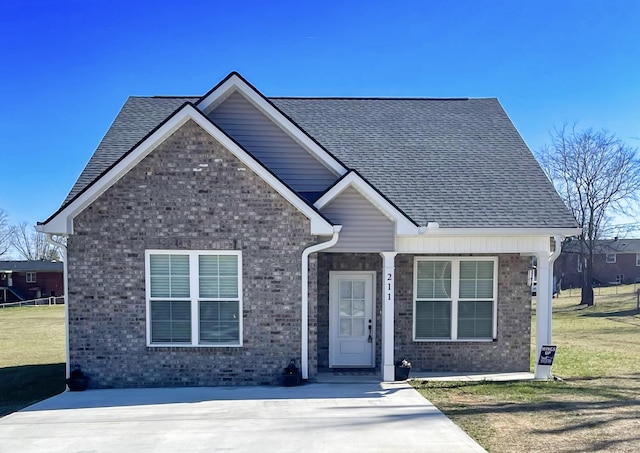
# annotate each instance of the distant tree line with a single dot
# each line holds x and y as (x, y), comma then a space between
(597, 175)
(24, 241)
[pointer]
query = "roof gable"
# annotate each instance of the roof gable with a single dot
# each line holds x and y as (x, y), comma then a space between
(235, 83)
(62, 221)
(272, 145)
(352, 180)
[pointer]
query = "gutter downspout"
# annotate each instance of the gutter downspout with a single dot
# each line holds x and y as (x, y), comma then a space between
(544, 314)
(305, 296)
(65, 278)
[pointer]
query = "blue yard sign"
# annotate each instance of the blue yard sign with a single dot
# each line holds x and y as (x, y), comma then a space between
(547, 353)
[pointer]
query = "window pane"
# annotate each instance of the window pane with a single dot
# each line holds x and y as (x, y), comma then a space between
(345, 327)
(433, 319)
(485, 289)
(476, 279)
(434, 279)
(358, 308)
(345, 289)
(475, 319)
(170, 321)
(169, 275)
(228, 265)
(425, 289)
(219, 322)
(218, 276)
(485, 269)
(229, 286)
(358, 327)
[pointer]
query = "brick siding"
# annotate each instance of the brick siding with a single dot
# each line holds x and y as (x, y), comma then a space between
(188, 194)
(510, 351)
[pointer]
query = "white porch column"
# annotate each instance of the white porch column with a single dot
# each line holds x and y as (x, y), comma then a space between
(543, 313)
(388, 301)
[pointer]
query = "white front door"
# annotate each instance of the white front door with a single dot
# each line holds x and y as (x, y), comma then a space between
(351, 320)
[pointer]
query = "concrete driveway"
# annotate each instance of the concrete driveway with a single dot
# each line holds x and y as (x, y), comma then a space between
(368, 418)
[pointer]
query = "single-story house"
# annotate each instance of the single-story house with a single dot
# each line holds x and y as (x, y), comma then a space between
(212, 239)
(27, 280)
(615, 262)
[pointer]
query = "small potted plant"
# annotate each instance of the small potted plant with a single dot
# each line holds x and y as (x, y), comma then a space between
(291, 375)
(402, 370)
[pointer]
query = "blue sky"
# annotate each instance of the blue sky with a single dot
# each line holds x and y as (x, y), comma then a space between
(68, 66)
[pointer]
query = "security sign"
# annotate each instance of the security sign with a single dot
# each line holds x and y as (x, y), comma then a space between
(547, 353)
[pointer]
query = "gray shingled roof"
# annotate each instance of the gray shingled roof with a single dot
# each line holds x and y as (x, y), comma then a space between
(606, 246)
(458, 162)
(31, 266)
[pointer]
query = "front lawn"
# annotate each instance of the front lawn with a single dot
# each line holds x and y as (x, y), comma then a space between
(596, 405)
(32, 355)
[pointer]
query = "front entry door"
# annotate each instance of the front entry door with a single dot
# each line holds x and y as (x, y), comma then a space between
(351, 320)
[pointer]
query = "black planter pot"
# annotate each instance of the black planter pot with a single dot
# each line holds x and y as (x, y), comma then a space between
(291, 379)
(78, 384)
(402, 373)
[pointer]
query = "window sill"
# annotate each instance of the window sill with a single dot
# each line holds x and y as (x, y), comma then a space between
(186, 346)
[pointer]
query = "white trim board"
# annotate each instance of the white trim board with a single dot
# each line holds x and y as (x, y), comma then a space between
(62, 223)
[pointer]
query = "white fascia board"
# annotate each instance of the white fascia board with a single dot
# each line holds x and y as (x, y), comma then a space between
(404, 226)
(235, 83)
(62, 223)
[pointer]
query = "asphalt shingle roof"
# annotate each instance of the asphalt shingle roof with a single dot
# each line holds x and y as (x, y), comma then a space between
(458, 162)
(606, 246)
(31, 266)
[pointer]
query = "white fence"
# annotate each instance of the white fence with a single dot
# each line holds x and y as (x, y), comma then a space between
(35, 302)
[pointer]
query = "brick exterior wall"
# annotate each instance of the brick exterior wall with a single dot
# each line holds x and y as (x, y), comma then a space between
(189, 194)
(510, 352)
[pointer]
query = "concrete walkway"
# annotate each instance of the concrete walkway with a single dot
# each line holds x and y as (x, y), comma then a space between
(376, 417)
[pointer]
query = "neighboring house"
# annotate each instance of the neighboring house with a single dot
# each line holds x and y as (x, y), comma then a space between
(212, 239)
(616, 261)
(26, 280)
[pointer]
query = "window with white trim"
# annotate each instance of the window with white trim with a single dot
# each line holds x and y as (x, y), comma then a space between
(194, 298)
(455, 298)
(637, 259)
(31, 277)
(611, 258)
(580, 264)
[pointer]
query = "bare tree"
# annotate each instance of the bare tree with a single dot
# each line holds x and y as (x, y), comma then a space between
(597, 175)
(5, 233)
(32, 245)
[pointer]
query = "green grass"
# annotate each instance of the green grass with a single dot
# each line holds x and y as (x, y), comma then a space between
(595, 405)
(32, 355)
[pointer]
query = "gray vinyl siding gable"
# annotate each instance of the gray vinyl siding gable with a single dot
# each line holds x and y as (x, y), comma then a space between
(271, 145)
(364, 227)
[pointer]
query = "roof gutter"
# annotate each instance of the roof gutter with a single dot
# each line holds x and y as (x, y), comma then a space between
(305, 296)
(65, 276)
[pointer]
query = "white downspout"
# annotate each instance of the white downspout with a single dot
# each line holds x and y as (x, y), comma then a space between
(544, 312)
(65, 277)
(305, 296)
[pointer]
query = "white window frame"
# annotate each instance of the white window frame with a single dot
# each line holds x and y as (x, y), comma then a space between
(31, 277)
(194, 291)
(455, 297)
(638, 259)
(606, 257)
(579, 264)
